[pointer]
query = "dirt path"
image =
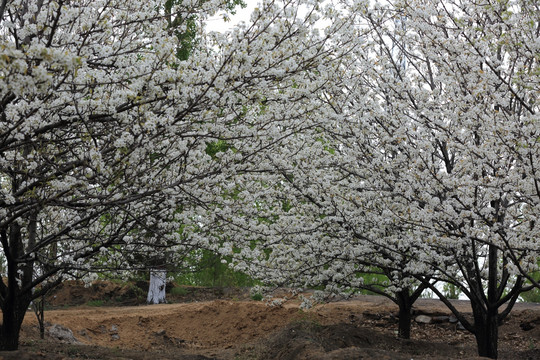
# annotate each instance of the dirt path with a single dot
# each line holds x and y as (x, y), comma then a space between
(196, 325)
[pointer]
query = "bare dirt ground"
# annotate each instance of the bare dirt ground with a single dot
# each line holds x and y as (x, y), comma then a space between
(225, 324)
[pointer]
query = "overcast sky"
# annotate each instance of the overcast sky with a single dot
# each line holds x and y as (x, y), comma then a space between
(216, 23)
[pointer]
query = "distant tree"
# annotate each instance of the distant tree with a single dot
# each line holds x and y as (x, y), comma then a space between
(185, 27)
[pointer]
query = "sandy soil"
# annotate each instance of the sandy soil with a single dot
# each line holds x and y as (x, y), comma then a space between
(361, 328)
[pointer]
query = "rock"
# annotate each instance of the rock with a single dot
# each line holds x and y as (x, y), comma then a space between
(114, 333)
(452, 319)
(63, 334)
(460, 326)
(423, 319)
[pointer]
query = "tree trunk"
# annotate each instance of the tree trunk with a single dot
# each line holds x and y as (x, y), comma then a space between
(39, 310)
(486, 322)
(405, 306)
(13, 302)
(487, 334)
(156, 290)
(13, 315)
(404, 325)
(9, 337)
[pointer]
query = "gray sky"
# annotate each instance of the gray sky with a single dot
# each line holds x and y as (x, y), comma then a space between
(216, 23)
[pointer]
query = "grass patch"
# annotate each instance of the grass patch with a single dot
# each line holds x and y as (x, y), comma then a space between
(96, 303)
(179, 290)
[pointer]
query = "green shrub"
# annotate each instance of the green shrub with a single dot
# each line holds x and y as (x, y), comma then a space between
(532, 296)
(256, 297)
(208, 270)
(179, 290)
(95, 303)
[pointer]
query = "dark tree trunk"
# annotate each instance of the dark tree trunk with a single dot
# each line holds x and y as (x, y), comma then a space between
(486, 322)
(405, 303)
(404, 326)
(486, 312)
(13, 315)
(487, 334)
(14, 302)
(9, 335)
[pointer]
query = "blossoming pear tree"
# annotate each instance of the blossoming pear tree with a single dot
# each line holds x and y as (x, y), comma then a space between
(315, 215)
(460, 149)
(104, 131)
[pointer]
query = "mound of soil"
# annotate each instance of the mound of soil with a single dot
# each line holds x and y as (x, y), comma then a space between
(72, 293)
(362, 328)
(98, 293)
(346, 341)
